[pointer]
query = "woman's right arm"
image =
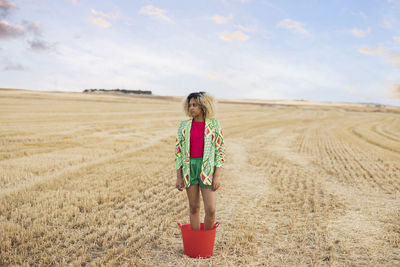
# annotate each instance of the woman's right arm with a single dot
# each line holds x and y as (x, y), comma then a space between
(180, 184)
(178, 159)
(179, 148)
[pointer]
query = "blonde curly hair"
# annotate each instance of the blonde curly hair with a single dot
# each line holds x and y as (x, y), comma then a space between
(206, 102)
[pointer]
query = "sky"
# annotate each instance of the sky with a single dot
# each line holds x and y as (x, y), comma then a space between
(327, 50)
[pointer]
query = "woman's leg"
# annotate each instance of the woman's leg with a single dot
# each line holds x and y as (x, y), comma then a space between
(209, 200)
(194, 205)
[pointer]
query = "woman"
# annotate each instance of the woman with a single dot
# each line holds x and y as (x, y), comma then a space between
(199, 156)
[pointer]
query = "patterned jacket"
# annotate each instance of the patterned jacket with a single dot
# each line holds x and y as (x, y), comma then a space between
(213, 154)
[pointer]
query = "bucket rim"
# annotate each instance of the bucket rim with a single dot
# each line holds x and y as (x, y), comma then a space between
(215, 226)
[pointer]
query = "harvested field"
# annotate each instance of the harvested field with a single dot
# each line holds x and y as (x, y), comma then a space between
(89, 179)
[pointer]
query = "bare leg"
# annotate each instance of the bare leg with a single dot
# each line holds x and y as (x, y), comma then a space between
(194, 205)
(209, 200)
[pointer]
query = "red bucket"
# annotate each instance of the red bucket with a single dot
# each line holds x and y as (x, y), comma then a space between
(198, 244)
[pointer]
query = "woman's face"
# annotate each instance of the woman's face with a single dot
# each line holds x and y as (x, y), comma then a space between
(194, 108)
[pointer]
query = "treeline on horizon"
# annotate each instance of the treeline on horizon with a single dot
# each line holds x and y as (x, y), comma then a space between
(124, 91)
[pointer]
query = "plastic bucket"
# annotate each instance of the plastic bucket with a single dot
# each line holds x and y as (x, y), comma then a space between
(198, 243)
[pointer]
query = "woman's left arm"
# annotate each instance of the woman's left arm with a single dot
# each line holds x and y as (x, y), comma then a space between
(219, 156)
(215, 182)
(219, 146)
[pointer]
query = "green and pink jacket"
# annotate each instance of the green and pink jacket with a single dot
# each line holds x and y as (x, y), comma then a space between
(213, 154)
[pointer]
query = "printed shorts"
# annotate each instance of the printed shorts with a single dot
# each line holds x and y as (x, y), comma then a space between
(195, 170)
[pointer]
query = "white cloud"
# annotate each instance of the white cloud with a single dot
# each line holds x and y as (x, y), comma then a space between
(8, 31)
(394, 91)
(262, 33)
(293, 25)
(236, 35)
(99, 22)
(376, 51)
(279, 79)
(360, 33)
(155, 12)
(392, 57)
(168, 71)
(246, 29)
(397, 38)
(221, 19)
(226, 72)
(387, 23)
(104, 15)
(351, 89)
(362, 14)
(128, 65)
(33, 27)
(73, 1)
(213, 75)
(40, 45)
(14, 67)
(6, 8)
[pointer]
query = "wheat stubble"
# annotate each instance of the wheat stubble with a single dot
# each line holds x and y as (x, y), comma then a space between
(89, 179)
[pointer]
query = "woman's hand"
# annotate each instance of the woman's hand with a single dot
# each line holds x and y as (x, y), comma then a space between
(180, 184)
(215, 183)
(179, 181)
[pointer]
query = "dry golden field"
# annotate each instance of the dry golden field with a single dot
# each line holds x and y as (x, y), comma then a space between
(89, 179)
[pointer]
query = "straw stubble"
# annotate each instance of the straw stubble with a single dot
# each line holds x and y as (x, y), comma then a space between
(89, 179)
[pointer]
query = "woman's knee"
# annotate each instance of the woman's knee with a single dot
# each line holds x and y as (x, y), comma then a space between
(209, 211)
(194, 208)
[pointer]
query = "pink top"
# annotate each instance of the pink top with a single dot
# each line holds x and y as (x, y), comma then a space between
(197, 139)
